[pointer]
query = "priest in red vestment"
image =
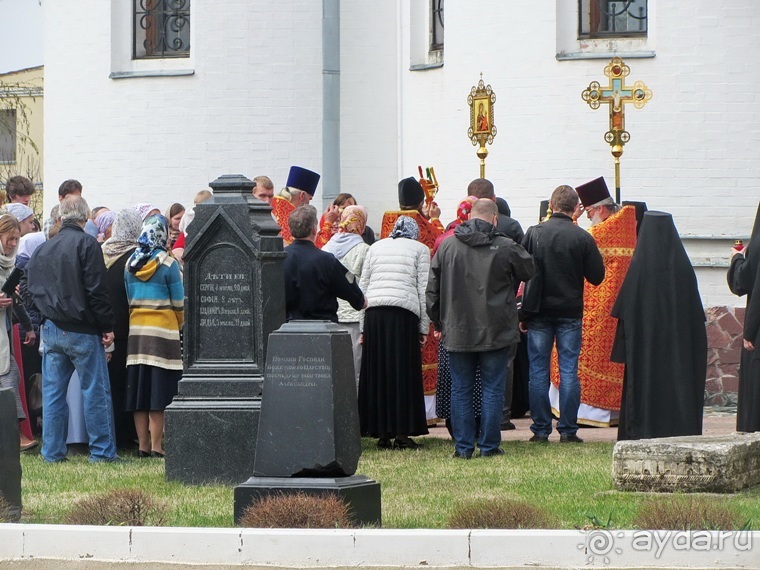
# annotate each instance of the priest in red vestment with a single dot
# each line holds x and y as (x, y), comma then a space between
(412, 203)
(298, 191)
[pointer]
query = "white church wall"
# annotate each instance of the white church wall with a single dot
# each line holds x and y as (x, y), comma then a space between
(692, 149)
(253, 104)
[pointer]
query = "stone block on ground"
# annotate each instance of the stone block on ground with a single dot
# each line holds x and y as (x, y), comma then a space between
(690, 464)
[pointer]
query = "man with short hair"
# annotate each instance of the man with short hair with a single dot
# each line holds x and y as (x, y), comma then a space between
(66, 282)
(566, 255)
(478, 329)
(19, 189)
(66, 188)
(298, 191)
(263, 189)
(483, 188)
(314, 279)
(601, 380)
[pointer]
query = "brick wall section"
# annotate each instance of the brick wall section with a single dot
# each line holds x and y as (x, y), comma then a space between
(724, 342)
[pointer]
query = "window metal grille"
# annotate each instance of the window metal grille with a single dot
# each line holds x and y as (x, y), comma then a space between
(161, 28)
(436, 13)
(605, 18)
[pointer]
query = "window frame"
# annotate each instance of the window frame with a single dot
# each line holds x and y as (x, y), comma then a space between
(590, 6)
(11, 127)
(436, 14)
(153, 10)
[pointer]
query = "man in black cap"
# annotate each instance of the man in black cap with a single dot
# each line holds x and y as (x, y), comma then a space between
(314, 278)
(298, 191)
(614, 231)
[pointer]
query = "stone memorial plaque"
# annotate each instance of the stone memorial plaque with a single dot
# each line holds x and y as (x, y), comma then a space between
(10, 458)
(225, 307)
(688, 464)
(309, 423)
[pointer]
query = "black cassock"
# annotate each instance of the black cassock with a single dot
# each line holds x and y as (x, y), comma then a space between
(660, 337)
(744, 279)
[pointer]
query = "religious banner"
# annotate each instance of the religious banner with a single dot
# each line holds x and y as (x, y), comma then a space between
(482, 129)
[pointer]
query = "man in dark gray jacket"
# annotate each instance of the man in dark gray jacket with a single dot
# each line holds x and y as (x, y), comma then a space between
(471, 303)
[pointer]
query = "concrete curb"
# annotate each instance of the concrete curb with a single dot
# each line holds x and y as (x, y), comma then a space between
(299, 548)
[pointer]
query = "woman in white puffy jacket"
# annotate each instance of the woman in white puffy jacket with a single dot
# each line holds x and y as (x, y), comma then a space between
(394, 278)
(349, 248)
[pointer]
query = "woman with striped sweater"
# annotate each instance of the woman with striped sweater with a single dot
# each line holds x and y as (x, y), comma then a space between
(156, 313)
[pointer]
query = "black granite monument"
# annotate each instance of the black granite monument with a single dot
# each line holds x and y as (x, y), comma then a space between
(308, 437)
(10, 454)
(233, 299)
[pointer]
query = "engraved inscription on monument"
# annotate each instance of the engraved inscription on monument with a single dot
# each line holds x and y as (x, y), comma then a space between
(299, 371)
(225, 306)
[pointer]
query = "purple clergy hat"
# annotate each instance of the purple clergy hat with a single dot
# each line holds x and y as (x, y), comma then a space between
(302, 179)
(593, 192)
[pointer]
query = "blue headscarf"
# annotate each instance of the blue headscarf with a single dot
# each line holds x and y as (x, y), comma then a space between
(152, 241)
(406, 227)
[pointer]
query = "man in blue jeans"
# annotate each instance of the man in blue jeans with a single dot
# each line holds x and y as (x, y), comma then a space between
(470, 300)
(66, 282)
(566, 255)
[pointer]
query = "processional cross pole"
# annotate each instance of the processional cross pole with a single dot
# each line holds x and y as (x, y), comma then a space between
(616, 95)
(482, 129)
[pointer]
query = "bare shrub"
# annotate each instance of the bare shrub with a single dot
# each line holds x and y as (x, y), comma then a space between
(692, 512)
(298, 511)
(120, 507)
(502, 513)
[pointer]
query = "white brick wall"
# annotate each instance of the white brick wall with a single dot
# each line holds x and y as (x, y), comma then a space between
(254, 106)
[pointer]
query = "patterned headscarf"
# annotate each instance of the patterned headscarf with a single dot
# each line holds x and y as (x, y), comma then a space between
(353, 220)
(124, 233)
(104, 221)
(152, 241)
(145, 209)
(465, 207)
(406, 227)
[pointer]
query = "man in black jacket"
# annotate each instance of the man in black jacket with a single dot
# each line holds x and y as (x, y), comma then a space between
(314, 279)
(566, 255)
(66, 282)
(471, 303)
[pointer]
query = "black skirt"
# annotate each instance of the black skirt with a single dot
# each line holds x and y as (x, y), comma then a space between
(149, 388)
(748, 407)
(391, 398)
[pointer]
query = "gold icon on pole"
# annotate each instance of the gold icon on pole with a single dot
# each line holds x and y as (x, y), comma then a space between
(482, 129)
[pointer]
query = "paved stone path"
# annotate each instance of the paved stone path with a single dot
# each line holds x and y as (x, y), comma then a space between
(715, 423)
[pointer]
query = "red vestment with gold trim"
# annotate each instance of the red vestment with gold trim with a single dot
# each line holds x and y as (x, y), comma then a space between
(281, 210)
(602, 380)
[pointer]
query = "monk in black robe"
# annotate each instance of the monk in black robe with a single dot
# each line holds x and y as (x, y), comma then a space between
(744, 279)
(660, 337)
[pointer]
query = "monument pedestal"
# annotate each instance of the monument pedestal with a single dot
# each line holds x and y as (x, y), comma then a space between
(362, 495)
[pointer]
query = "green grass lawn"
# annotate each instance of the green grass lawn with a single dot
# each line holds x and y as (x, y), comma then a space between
(420, 488)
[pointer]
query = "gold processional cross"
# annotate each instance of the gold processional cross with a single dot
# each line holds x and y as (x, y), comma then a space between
(616, 95)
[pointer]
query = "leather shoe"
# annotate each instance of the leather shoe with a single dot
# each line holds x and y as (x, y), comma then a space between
(384, 443)
(31, 445)
(506, 426)
(570, 438)
(492, 452)
(157, 454)
(539, 438)
(405, 444)
(142, 454)
(458, 455)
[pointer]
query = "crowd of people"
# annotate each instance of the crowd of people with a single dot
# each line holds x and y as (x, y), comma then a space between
(472, 323)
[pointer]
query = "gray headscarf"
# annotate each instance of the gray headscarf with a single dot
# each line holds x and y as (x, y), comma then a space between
(124, 233)
(406, 227)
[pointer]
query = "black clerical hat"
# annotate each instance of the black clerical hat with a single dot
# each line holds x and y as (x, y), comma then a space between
(303, 179)
(593, 192)
(410, 192)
